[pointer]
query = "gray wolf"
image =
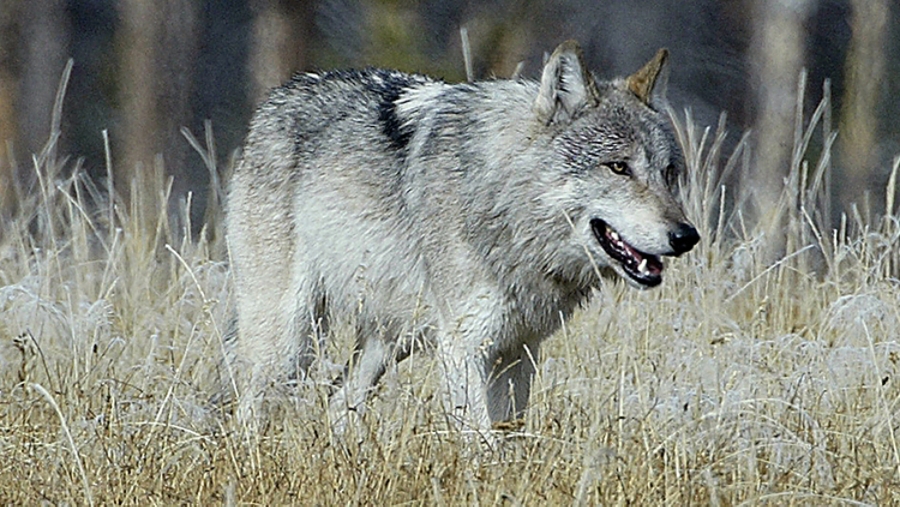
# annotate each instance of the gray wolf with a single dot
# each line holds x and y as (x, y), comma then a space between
(466, 219)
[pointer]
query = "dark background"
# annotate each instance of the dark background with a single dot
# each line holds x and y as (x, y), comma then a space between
(145, 68)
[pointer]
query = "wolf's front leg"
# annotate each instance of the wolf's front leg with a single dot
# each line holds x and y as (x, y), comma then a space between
(464, 381)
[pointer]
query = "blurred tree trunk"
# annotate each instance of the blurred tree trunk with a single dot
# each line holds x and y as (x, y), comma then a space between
(8, 82)
(506, 44)
(280, 46)
(857, 141)
(158, 41)
(7, 133)
(37, 40)
(44, 39)
(777, 55)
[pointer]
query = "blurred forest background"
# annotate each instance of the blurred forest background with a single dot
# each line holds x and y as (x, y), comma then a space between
(145, 69)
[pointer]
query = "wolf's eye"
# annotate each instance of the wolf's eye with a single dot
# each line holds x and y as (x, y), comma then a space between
(619, 168)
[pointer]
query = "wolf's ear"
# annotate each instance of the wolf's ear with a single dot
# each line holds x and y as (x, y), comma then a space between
(566, 85)
(643, 83)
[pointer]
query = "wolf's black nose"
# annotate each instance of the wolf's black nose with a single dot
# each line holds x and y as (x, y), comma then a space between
(683, 238)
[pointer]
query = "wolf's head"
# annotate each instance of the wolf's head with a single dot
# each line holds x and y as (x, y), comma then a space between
(614, 152)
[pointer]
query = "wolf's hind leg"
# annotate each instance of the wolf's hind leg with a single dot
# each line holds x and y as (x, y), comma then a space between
(260, 362)
(360, 376)
(281, 351)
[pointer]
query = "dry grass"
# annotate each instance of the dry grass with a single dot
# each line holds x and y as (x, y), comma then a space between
(739, 381)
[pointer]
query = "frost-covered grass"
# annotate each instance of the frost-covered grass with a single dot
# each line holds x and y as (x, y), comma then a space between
(753, 375)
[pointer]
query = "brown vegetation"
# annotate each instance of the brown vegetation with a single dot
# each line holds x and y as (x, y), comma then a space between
(738, 380)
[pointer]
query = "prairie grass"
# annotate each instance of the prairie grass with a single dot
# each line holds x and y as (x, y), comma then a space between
(744, 379)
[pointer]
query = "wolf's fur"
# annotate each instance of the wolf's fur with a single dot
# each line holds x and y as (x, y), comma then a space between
(468, 218)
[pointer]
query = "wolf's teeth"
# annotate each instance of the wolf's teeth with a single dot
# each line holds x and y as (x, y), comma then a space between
(614, 235)
(642, 267)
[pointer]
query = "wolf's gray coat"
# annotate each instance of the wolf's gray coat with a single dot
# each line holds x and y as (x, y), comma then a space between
(468, 218)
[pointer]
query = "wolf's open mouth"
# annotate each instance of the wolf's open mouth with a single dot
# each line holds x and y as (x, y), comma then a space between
(643, 268)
